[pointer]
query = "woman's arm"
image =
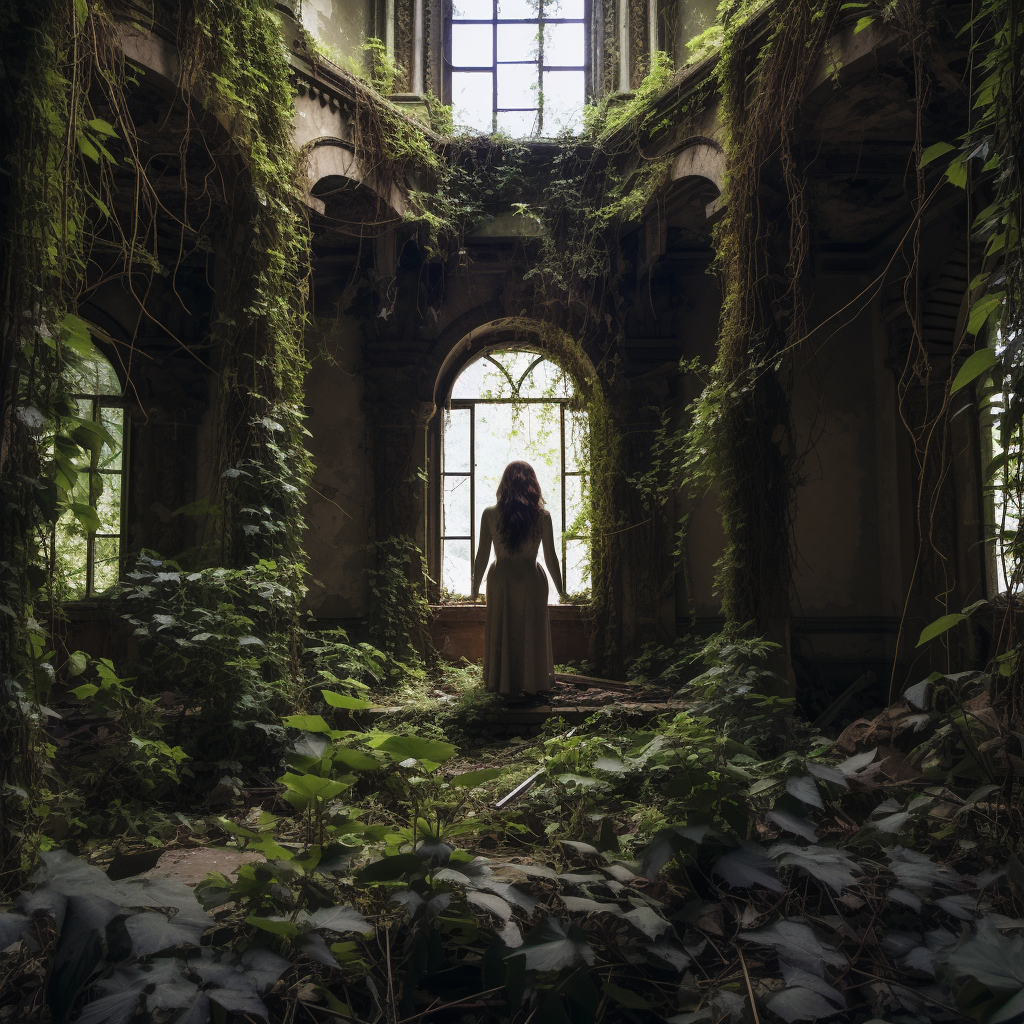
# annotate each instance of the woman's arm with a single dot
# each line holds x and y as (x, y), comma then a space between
(483, 555)
(550, 558)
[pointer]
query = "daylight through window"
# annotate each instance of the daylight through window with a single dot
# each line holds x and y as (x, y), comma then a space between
(505, 406)
(518, 66)
(88, 557)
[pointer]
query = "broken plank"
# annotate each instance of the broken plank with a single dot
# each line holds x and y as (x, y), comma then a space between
(590, 681)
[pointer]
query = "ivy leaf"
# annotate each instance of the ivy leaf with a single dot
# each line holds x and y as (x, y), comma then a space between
(862, 23)
(980, 312)
(748, 866)
(341, 919)
(74, 332)
(941, 625)
(796, 942)
(492, 904)
(974, 366)
(934, 152)
(274, 925)
(153, 933)
(825, 863)
(805, 790)
(551, 948)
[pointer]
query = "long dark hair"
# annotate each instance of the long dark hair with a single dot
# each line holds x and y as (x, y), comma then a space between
(519, 504)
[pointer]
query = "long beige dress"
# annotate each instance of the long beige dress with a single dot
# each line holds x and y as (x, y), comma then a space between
(517, 635)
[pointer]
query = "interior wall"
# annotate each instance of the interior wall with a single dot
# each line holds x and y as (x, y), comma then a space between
(849, 540)
(341, 497)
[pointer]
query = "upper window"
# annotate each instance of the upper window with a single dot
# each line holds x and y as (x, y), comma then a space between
(518, 66)
(505, 406)
(87, 538)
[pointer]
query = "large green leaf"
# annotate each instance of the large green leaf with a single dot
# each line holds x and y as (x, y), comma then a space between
(941, 625)
(307, 723)
(402, 747)
(343, 700)
(974, 366)
(982, 310)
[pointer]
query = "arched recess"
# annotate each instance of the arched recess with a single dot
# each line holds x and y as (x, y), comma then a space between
(331, 166)
(518, 334)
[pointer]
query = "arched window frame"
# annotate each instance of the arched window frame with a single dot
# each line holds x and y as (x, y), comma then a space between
(438, 535)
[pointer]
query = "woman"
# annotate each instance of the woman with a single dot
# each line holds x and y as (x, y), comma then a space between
(517, 637)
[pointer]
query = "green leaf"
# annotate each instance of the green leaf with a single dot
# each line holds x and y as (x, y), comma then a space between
(310, 786)
(307, 723)
(934, 152)
(941, 625)
(274, 925)
(76, 335)
(97, 124)
(862, 23)
(356, 759)
(94, 430)
(343, 700)
(476, 778)
(88, 149)
(81, 12)
(389, 869)
(975, 365)
(982, 310)
(956, 172)
(78, 662)
(402, 747)
(86, 515)
(85, 691)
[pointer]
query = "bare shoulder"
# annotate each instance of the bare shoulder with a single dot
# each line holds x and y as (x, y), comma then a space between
(489, 513)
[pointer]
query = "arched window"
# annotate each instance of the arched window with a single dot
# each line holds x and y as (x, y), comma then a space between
(508, 405)
(87, 547)
(518, 66)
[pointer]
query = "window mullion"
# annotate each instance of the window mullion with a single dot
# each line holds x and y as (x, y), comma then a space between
(472, 491)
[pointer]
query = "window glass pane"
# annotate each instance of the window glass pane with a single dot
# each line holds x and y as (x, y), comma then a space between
(472, 100)
(518, 124)
(563, 8)
(105, 565)
(517, 85)
(563, 46)
(473, 9)
(518, 8)
(575, 440)
(455, 522)
(470, 381)
(456, 440)
(472, 46)
(563, 101)
(518, 42)
(575, 509)
(456, 575)
(577, 566)
(108, 502)
(546, 380)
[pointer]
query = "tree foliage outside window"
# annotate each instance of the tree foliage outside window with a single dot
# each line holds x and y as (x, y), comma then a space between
(514, 405)
(518, 66)
(87, 548)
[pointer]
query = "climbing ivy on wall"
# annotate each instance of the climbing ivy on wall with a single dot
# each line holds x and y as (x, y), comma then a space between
(63, 62)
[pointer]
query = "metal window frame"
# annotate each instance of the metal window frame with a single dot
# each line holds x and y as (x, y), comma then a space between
(541, 22)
